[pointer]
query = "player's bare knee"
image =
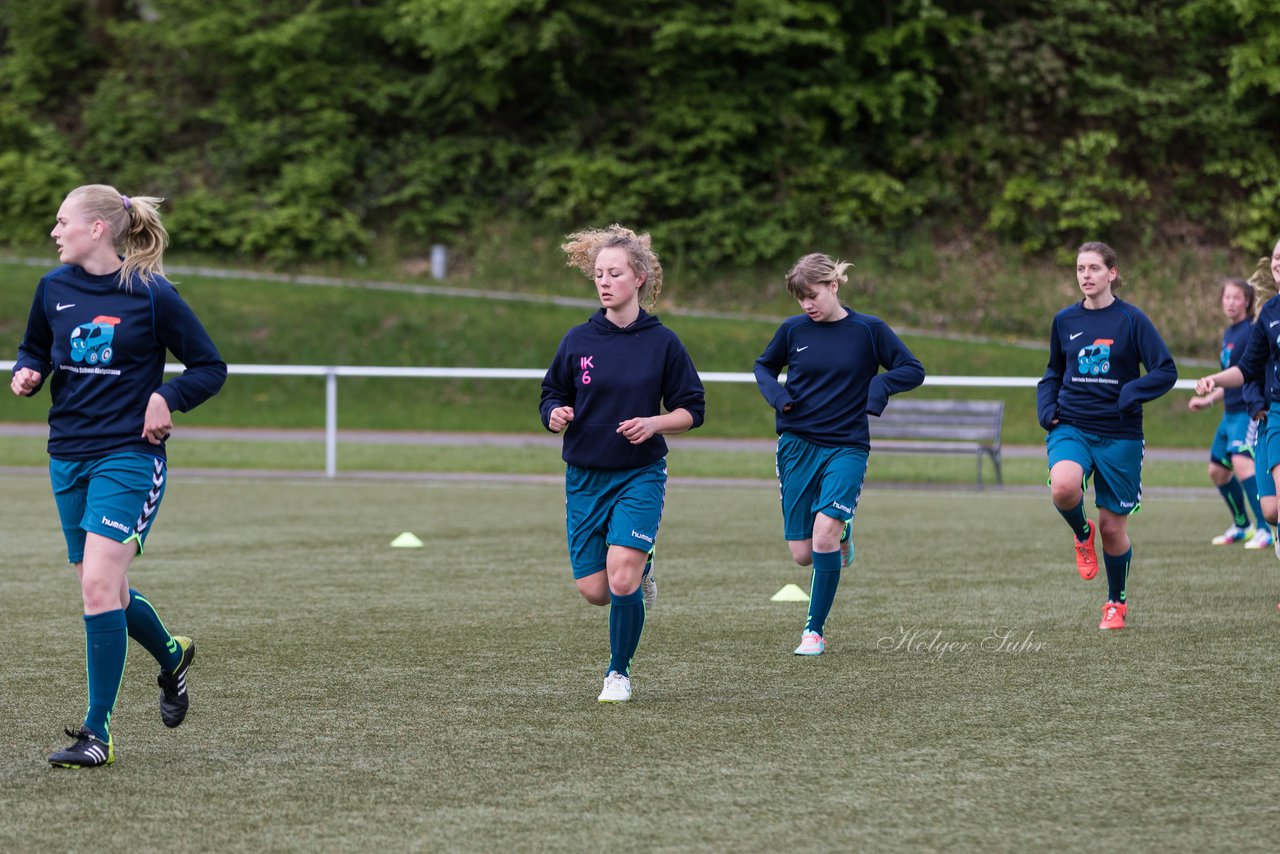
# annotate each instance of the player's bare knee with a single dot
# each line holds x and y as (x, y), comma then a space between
(826, 542)
(1066, 495)
(99, 597)
(594, 588)
(1113, 532)
(802, 555)
(624, 588)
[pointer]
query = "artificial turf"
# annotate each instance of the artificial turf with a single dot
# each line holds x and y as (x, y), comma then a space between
(352, 696)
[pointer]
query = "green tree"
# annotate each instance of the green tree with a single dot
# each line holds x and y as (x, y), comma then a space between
(739, 132)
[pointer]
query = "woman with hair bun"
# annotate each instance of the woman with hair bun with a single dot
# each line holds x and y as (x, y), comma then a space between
(833, 356)
(99, 328)
(1090, 403)
(606, 389)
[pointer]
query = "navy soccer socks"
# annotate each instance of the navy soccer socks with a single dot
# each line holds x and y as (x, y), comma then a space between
(822, 588)
(1250, 487)
(146, 628)
(1233, 494)
(626, 622)
(1117, 574)
(106, 645)
(1076, 519)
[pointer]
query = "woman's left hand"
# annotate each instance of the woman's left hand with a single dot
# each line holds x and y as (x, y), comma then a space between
(637, 431)
(158, 423)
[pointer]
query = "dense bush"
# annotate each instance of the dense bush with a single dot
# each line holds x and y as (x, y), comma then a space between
(738, 132)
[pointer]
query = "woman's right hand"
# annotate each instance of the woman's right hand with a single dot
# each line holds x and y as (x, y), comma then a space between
(1205, 385)
(25, 381)
(559, 418)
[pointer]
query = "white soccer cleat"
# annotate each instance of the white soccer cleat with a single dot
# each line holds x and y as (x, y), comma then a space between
(846, 545)
(1261, 539)
(811, 643)
(617, 688)
(648, 586)
(1234, 534)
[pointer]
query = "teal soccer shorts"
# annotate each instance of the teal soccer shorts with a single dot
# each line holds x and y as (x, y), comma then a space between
(116, 496)
(813, 479)
(1231, 439)
(604, 507)
(1114, 464)
(1265, 481)
(1266, 452)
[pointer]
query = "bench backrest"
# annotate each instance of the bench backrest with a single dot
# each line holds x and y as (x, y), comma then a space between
(954, 420)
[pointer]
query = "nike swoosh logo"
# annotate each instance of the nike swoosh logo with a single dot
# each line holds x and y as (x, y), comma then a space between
(1074, 337)
(60, 306)
(806, 347)
(1273, 323)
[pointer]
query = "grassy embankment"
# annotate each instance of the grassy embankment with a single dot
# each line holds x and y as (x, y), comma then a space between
(256, 321)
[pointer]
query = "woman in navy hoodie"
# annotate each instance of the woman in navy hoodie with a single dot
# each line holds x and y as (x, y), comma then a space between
(606, 390)
(1090, 403)
(99, 329)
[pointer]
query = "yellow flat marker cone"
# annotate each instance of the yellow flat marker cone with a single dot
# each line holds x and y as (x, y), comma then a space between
(406, 541)
(790, 593)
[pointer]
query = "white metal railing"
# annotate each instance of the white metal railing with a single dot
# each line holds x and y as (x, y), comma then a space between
(332, 372)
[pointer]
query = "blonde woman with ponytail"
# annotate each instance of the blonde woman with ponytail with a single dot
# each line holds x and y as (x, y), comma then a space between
(1259, 364)
(98, 333)
(1265, 281)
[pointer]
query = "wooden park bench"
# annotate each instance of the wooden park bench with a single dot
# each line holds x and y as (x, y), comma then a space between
(941, 427)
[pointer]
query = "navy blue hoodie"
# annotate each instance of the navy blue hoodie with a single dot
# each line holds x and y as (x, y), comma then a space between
(102, 348)
(1093, 380)
(1260, 361)
(1250, 398)
(610, 374)
(833, 376)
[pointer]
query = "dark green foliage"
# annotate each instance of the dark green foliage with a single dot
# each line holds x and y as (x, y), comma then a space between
(1113, 119)
(35, 174)
(739, 132)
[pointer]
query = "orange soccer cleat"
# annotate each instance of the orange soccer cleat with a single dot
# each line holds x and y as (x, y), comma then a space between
(1113, 614)
(1086, 555)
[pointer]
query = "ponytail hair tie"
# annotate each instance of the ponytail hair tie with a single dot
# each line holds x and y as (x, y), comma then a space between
(127, 203)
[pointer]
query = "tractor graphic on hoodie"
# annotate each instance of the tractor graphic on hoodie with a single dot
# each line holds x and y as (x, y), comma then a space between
(1095, 358)
(91, 342)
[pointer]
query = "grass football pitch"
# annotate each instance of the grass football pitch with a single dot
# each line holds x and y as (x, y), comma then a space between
(351, 696)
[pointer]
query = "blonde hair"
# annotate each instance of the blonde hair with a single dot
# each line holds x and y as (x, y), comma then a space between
(1264, 285)
(582, 248)
(134, 223)
(815, 269)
